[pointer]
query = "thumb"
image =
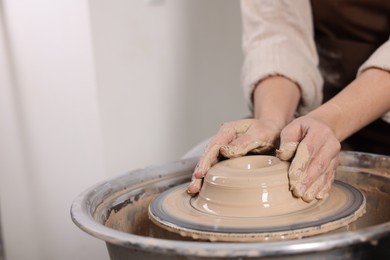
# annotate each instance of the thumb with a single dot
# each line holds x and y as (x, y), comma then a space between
(286, 151)
(290, 137)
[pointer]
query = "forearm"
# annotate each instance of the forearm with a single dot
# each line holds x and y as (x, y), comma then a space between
(276, 99)
(361, 102)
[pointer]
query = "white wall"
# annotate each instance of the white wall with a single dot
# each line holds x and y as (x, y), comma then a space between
(168, 74)
(91, 89)
(51, 142)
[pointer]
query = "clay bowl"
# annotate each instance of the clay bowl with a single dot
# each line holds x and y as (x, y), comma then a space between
(250, 186)
(248, 199)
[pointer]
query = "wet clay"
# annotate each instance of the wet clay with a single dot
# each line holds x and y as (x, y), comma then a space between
(248, 199)
(250, 186)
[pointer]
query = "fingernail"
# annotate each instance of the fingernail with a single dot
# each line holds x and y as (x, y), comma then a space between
(322, 195)
(308, 197)
(295, 191)
(298, 191)
(228, 151)
(194, 186)
(190, 190)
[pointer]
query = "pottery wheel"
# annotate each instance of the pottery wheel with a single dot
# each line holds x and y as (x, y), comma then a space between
(174, 210)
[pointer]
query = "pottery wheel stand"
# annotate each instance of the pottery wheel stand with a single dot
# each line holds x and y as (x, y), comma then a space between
(274, 215)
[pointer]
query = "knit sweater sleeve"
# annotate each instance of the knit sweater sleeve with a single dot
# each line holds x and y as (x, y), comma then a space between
(379, 59)
(278, 39)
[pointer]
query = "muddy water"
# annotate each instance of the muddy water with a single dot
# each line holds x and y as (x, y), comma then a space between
(131, 216)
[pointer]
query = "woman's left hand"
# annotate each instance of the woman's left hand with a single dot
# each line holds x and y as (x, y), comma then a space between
(315, 149)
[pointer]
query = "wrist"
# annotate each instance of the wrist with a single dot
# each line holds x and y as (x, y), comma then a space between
(344, 113)
(276, 99)
(329, 114)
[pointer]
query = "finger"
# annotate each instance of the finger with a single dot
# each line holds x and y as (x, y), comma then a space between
(194, 186)
(208, 158)
(314, 153)
(297, 170)
(287, 150)
(292, 135)
(314, 189)
(210, 155)
(322, 160)
(250, 139)
(322, 184)
(328, 185)
(320, 187)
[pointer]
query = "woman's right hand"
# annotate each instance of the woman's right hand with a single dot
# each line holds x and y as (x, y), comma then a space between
(235, 139)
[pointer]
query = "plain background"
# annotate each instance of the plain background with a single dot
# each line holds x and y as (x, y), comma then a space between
(92, 89)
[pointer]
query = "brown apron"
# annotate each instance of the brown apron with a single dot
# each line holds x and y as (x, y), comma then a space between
(347, 32)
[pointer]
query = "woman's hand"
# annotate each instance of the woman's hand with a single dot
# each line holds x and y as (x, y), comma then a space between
(315, 149)
(317, 135)
(257, 135)
(235, 139)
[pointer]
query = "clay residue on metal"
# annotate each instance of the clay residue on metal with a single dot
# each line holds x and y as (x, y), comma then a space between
(130, 218)
(133, 218)
(375, 189)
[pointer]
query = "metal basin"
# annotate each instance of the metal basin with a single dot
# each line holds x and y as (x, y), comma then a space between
(116, 211)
